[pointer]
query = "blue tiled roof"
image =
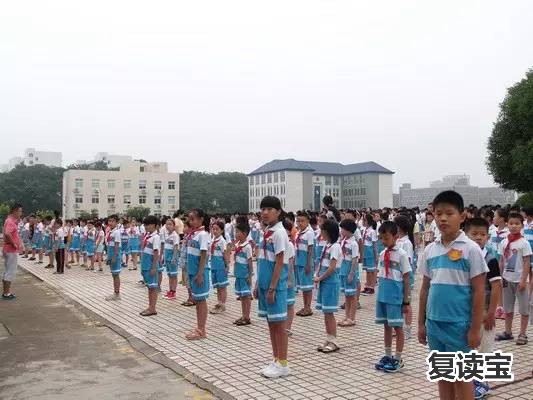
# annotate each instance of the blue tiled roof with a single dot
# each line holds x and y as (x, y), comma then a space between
(321, 168)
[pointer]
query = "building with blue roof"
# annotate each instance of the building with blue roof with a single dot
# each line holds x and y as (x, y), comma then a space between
(303, 184)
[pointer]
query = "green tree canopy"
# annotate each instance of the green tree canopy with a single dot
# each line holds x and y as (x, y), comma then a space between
(4, 212)
(511, 144)
(225, 192)
(138, 212)
(36, 188)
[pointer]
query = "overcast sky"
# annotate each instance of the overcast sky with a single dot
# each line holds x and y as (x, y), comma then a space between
(230, 85)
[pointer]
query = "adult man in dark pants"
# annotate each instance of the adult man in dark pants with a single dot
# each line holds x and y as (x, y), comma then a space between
(10, 250)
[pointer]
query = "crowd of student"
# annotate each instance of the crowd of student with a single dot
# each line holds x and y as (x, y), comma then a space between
(461, 255)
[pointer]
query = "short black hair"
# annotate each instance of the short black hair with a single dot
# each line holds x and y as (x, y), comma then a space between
(287, 224)
(15, 207)
(528, 210)
(150, 220)
(516, 215)
(327, 200)
(476, 222)
(303, 213)
(243, 227)
(450, 197)
(503, 213)
(113, 217)
(349, 225)
(313, 220)
(388, 227)
(332, 229)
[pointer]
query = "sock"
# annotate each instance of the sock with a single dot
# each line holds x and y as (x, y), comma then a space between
(398, 355)
(283, 363)
(331, 338)
(388, 351)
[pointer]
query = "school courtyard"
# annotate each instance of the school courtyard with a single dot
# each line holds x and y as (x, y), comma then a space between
(228, 362)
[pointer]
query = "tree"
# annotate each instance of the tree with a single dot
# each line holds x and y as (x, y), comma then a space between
(138, 212)
(94, 213)
(4, 212)
(45, 213)
(97, 166)
(511, 144)
(225, 192)
(84, 215)
(526, 200)
(36, 187)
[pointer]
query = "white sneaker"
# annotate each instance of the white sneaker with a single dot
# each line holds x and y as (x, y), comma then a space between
(268, 368)
(113, 297)
(277, 371)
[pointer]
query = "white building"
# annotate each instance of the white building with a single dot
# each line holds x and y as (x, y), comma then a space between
(136, 183)
(112, 160)
(34, 157)
(303, 184)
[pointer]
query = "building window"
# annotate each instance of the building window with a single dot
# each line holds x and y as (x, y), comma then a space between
(251, 204)
(142, 199)
(363, 191)
(78, 183)
(127, 199)
(142, 185)
(110, 183)
(95, 183)
(263, 178)
(276, 177)
(95, 199)
(282, 176)
(30, 154)
(171, 185)
(336, 180)
(157, 214)
(157, 200)
(171, 199)
(251, 180)
(78, 199)
(157, 185)
(251, 192)
(328, 180)
(269, 178)
(257, 179)
(110, 199)
(127, 183)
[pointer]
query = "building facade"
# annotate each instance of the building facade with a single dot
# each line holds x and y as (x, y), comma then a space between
(479, 196)
(33, 157)
(302, 184)
(136, 183)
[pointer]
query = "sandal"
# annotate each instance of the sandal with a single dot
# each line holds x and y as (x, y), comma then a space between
(321, 347)
(196, 335)
(522, 339)
(345, 323)
(237, 321)
(147, 313)
(504, 336)
(243, 322)
(306, 313)
(330, 347)
(188, 303)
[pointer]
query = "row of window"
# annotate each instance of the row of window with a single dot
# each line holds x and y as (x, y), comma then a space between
(127, 184)
(276, 190)
(354, 192)
(333, 192)
(354, 179)
(256, 203)
(156, 213)
(354, 204)
(267, 178)
(111, 199)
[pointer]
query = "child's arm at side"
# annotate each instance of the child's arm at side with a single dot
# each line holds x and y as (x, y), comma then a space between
(250, 269)
(422, 304)
(495, 281)
(478, 301)
(525, 273)
(329, 271)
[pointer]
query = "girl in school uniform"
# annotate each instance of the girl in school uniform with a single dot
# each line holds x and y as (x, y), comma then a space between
(327, 280)
(47, 242)
(271, 285)
(369, 253)
(198, 268)
(149, 263)
(90, 244)
(243, 271)
(125, 242)
(218, 259)
(99, 245)
(320, 242)
(170, 258)
(74, 238)
(59, 237)
(182, 263)
(134, 243)
(291, 277)
(83, 242)
(349, 271)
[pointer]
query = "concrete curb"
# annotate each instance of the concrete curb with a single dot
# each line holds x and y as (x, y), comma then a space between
(142, 347)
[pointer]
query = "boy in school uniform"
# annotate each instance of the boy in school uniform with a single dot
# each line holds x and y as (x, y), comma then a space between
(515, 254)
(114, 256)
(304, 245)
(452, 295)
(477, 229)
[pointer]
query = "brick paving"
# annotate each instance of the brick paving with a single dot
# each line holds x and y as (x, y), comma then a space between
(228, 361)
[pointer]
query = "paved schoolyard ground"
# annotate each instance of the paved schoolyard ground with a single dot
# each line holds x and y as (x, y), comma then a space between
(228, 361)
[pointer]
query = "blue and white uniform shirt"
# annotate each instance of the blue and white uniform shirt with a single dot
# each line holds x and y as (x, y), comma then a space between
(390, 288)
(405, 244)
(216, 253)
(113, 237)
(275, 241)
(197, 242)
(528, 235)
(151, 242)
(330, 252)
(243, 253)
(450, 269)
(349, 251)
(304, 239)
(369, 237)
(513, 262)
(497, 237)
(171, 240)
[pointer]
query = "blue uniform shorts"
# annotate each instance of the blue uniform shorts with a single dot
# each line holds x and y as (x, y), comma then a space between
(327, 298)
(200, 292)
(172, 268)
(304, 281)
(291, 297)
(219, 278)
(276, 311)
(150, 281)
(125, 248)
(242, 289)
(349, 289)
(116, 267)
(390, 314)
(447, 336)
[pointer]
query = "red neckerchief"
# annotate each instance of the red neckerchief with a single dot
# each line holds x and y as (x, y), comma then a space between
(266, 235)
(343, 246)
(191, 233)
(512, 237)
(386, 259)
(108, 236)
(213, 245)
(498, 233)
(299, 238)
(326, 248)
(364, 235)
(146, 238)
(239, 248)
